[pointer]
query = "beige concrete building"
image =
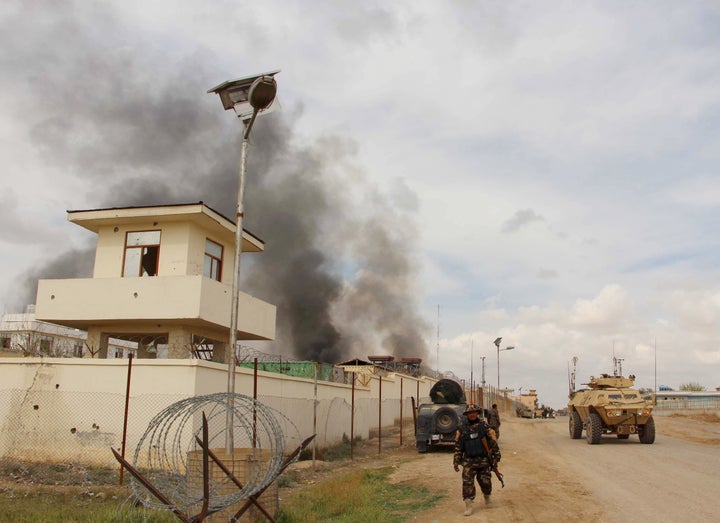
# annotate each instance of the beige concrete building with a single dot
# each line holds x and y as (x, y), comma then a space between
(22, 335)
(162, 277)
(529, 399)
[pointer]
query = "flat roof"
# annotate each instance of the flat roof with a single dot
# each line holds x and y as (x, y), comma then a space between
(95, 219)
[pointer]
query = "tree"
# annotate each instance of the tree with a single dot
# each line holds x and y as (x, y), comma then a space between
(692, 386)
(646, 392)
(28, 342)
(91, 349)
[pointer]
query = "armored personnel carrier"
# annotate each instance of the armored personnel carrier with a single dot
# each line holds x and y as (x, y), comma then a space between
(610, 406)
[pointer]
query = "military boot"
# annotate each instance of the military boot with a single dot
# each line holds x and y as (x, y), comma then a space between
(488, 501)
(468, 506)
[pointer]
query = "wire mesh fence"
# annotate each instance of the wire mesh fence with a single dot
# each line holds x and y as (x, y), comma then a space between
(670, 403)
(82, 427)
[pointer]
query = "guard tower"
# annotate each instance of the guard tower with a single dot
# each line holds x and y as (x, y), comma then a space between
(162, 277)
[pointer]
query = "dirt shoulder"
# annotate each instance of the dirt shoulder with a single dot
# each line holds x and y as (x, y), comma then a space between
(702, 427)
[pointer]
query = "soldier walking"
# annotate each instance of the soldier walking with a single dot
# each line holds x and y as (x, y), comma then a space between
(494, 420)
(476, 451)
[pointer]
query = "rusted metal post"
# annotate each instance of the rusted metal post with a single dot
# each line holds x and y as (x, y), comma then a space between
(315, 402)
(206, 472)
(352, 418)
(285, 464)
(380, 417)
(255, 388)
(205, 509)
(125, 417)
(414, 408)
(232, 477)
(401, 412)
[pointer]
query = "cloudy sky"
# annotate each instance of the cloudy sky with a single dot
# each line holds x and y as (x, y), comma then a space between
(541, 171)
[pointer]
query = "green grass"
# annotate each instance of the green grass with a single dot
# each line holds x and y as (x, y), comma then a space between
(44, 504)
(66, 493)
(360, 496)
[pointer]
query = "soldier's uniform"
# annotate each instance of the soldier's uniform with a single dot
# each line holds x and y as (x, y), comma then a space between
(494, 420)
(470, 453)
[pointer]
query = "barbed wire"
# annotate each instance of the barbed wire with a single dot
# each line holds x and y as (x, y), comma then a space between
(170, 458)
(246, 353)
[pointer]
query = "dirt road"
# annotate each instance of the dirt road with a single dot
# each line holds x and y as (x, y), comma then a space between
(551, 477)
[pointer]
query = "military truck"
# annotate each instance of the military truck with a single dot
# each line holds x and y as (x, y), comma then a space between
(610, 406)
(438, 421)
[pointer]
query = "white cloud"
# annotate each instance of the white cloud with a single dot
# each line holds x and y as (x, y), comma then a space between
(610, 308)
(590, 133)
(697, 308)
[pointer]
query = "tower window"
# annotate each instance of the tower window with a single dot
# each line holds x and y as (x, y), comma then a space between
(142, 252)
(212, 265)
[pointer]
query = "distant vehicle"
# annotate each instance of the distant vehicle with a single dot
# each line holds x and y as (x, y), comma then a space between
(525, 412)
(438, 421)
(610, 406)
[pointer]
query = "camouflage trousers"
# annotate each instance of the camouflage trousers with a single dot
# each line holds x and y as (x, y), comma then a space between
(476, 468)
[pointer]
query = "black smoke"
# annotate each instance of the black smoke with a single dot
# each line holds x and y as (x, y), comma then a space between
(140, 131)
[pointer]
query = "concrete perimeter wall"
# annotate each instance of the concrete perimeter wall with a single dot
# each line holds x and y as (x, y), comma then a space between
(67, 409)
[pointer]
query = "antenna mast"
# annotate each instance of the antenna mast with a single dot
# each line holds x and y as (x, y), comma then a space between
(617, 366)
(571, 375)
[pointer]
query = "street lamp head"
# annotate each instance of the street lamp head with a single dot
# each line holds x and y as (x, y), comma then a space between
(509, 348)
(249, 94)
(497, 342)
(262, 92)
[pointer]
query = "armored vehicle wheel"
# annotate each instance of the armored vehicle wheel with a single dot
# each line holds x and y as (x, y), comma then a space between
(647, 431)
(446, 420)
(623, 436)
(575, 425)
(593, 429)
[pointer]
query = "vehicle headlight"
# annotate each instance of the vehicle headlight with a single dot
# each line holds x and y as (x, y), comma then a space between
(613, 412)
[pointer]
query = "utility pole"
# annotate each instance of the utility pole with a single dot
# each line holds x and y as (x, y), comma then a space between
(472, 383)
(437, 347)
(655, 392)
(483, 371)
(482, 377)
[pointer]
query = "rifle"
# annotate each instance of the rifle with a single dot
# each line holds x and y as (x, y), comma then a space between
(493, 463)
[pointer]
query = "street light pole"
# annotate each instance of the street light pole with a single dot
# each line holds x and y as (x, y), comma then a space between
(498, 369)
(247, 97)
(497, 346)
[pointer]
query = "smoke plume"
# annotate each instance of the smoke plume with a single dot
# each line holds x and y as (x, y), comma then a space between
(338, 258)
